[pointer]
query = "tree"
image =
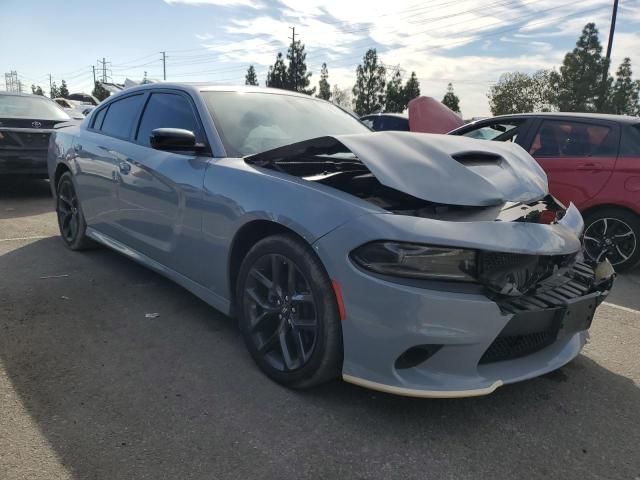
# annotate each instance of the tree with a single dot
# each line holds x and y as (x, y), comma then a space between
(99, 91)
(277, 76)
(341, 97)
(517, 92)
(451, 100)
(579, 84)
(251, 78)
(395, 99)
(63, 91)
(324, 90)
(370, 83)
(411, 88)
(625, 92)
(37, 90)
(298, 77)
(54, 91)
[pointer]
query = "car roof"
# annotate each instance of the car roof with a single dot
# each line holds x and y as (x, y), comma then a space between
(20, 94)
(210, 87)
(592, 116)
(396, 115)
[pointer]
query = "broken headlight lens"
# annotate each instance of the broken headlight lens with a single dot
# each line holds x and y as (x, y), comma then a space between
(417, 261)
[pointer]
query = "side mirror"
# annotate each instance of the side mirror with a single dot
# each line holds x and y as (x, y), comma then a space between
(174, 139)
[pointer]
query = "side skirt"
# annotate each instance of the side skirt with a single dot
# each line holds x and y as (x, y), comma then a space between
(213, 299)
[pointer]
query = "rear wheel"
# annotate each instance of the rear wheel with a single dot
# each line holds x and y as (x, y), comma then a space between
(613, 234)
(288, 314)
(70, 218)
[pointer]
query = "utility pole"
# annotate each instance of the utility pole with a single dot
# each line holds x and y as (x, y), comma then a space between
(293, 58)
(93, 67)
(104, 64)
(50, 85)
(605, 72)
(164, 65)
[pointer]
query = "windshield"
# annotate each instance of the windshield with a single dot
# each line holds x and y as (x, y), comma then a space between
(17, 106)
(254, 122)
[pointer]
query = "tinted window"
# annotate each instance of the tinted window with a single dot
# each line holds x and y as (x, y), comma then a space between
(167, 110)
(255, 122)
(31, 107)
(368, 122)
(558, 138)
(630, 142)
(503, 131)
(97, 121)
(394, 123)
(121, 115)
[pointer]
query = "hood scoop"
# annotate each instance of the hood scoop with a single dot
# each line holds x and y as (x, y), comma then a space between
(436, 168)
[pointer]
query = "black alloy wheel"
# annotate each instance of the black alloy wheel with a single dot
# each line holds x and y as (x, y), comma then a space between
(283, 316)
(70, 218)
(288, 313)
(612, 234)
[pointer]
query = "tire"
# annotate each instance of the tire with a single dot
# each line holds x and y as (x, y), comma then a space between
(291, 329)
(613, 233)
(71, 221)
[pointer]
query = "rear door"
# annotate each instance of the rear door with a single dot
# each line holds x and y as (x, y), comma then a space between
(159, 192)
(100, 151)
(578, 156)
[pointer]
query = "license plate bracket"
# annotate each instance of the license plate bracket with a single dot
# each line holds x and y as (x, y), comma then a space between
(578, 314)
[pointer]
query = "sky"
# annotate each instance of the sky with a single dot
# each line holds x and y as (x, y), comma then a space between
(469, 43)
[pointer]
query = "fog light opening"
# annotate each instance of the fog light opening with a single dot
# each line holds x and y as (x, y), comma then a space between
(414, 356)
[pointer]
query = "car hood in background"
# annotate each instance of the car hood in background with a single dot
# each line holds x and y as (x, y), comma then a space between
(428, 115)
(436, 168)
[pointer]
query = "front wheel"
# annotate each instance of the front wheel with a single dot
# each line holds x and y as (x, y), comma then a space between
(613, 234)
(288, 313)
(70, 218)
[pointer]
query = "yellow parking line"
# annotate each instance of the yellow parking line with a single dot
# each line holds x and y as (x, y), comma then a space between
(16, 239)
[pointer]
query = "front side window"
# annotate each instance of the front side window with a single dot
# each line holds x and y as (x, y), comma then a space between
(167, 110)
(254, 122)
(503, 132)
(558, 138)
(121, 115)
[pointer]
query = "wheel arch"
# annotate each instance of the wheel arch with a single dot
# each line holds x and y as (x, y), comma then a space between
(61, 169)
(245, 238)
(604, 206)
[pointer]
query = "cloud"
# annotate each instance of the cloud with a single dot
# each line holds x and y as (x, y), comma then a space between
(220, 3)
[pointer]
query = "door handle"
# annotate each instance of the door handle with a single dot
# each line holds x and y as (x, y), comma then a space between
(589, 166)
(124, 168)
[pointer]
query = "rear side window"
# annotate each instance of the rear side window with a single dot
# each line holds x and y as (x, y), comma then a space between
(97, 121)
(167, 110)
(558, 138)
(630, 142)
(501, 132)
(121, 115)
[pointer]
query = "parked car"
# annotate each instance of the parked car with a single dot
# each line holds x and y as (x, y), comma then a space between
(425, 115)
(26, 122)
(381, 122)
(591, 160)
(447, 272)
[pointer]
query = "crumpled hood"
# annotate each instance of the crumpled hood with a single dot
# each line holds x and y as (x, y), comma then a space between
(437, 168)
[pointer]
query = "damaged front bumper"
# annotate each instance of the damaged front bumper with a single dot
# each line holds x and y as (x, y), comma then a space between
(443, 339)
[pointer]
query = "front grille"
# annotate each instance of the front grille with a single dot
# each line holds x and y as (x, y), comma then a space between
(516, 346)
(16, 139)
(535, 323)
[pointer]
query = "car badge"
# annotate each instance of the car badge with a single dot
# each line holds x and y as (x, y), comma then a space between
(36, 124)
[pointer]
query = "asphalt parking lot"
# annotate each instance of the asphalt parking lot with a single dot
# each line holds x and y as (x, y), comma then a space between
(90, 388)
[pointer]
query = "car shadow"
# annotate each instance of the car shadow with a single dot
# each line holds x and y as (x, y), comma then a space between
(127, 375)
(16, 190)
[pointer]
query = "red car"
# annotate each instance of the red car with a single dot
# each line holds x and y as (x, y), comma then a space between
(591, 160)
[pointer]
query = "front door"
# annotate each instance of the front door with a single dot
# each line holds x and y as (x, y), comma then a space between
(159, 192)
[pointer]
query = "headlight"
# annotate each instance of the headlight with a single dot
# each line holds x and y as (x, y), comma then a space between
(417, 261)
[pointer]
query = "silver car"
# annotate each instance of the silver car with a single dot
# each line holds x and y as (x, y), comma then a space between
(415, 264)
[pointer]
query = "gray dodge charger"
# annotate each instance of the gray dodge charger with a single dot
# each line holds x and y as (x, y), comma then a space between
(415, 264)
